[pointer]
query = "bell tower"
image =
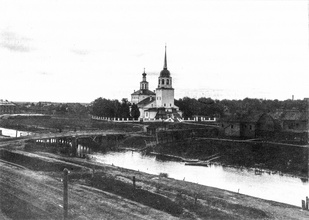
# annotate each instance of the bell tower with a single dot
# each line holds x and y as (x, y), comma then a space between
(165, 91)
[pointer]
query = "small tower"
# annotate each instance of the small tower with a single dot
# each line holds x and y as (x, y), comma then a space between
(143, 91)
(165, 91)
(144, 83)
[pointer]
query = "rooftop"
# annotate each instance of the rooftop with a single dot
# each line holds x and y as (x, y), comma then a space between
(6, 102)
(147, 101)
(143, 92)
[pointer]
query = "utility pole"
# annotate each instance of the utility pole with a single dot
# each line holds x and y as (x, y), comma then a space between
(65, 194)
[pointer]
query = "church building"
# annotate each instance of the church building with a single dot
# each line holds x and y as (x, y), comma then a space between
(158, 104)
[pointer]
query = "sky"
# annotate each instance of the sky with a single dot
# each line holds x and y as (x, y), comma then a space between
(80, 50)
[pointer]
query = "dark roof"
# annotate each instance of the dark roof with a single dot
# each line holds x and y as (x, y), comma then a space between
(143, 92)
(253, 117)
(165, 73)
(294, 116)
(249, 118)
(230, 118)
(147, 101)
(276, 115)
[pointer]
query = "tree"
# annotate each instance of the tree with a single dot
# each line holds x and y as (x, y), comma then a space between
(105, 108)
(124, 111)
(135, 111)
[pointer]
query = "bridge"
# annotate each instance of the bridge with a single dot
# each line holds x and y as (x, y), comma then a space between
(77, 134)
(73, 139)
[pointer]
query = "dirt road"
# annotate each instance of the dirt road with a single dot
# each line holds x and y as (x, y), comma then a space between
(29, 195)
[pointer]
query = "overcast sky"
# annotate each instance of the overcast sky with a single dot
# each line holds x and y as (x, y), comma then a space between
(79, 50)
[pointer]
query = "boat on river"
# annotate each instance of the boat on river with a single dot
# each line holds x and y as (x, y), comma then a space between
(198, 163)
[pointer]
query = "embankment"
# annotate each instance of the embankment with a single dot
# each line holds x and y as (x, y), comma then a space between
(165, 198)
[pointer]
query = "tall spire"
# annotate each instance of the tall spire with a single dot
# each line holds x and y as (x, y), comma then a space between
(165, 60)
(165, 72)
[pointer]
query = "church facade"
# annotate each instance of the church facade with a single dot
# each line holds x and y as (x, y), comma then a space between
(158, 104)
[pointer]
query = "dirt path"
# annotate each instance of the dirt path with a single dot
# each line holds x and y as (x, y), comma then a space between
(28, 195)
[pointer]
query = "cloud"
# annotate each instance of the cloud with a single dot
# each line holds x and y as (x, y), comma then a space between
(139, 55)
(43, 73)
(79, 52)
(13, 42)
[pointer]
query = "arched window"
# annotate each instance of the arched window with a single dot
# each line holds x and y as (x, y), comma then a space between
(162, 81)
(159, 81)
(167, 82)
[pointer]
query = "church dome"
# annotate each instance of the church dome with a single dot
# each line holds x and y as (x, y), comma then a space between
(165, 73)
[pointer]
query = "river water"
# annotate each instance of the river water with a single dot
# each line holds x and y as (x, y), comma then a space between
(285, 189)
(280, 188)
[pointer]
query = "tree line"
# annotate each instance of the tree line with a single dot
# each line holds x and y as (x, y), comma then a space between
(203, 106)
(220, 108)
(114, 109)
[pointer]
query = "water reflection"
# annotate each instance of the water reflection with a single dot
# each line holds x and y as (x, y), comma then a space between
(269, 186)
(83, 151)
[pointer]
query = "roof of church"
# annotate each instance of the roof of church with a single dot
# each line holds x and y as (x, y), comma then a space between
(147, 101)
(143, 92)
(165, 73)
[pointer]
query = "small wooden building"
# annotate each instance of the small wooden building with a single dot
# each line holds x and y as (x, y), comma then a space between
(294, 120)
(248, 126)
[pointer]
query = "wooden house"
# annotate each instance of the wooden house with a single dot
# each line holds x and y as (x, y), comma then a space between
(248, 126)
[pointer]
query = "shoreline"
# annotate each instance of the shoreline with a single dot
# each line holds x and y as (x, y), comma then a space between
(196, 201)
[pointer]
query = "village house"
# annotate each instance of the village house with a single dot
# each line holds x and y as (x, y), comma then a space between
(248, 126)
(294, 120)
(7, 107)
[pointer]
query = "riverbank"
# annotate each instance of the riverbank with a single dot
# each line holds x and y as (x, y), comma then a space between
(155, 197)
(63, 124)
(271, 157)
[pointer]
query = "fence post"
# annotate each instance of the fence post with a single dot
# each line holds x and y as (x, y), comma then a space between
(303, 204)
(65, 194)
(134, 182)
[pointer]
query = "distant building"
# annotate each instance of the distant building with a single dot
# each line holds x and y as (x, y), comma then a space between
(249, 126)
(158, 104)
(7, 107)
(294, 120)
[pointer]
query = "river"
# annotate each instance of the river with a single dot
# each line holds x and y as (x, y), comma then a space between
(280, 188)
